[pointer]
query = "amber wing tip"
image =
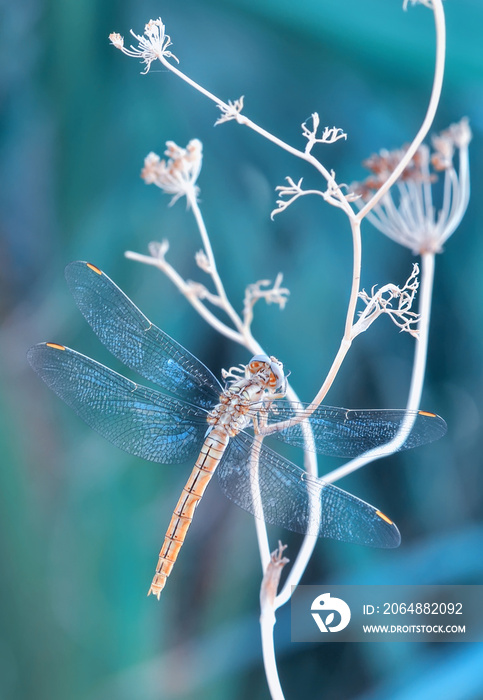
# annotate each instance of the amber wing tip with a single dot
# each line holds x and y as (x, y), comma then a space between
(384, 517)
(94, 268)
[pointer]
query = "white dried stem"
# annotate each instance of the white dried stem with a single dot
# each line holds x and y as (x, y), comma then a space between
(200, 291)
(203, 263)
(273, 295)
(271, 577)
(211, 265)
(294, 190)
(417, 379)
(355, 223)
(381, 302)
(440, 30)
(230, 110)
(268, 591)
(158, 260)
(329, 135)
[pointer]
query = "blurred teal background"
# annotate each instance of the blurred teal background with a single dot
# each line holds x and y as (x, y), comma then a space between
(82, 522)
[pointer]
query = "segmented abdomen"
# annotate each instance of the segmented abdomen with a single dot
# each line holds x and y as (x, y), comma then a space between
(208, 459)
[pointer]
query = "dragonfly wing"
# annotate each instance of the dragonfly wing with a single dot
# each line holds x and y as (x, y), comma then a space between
(290, 497)
(134, 340)
(139, 420)
(341, 432)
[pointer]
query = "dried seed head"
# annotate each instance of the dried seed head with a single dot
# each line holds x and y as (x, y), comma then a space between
(407, 213)
(152, 45)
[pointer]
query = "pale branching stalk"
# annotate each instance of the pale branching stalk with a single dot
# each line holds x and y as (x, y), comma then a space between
(275, 294)
(293, 191)
(329, 135)
(417, 379)
(408, 215)
(189, 290)
(153, 45)
(381, 302)
(231, 110)
(411, 218)
(440, 32)
(268, 590)
(271, 577)
(177, 176)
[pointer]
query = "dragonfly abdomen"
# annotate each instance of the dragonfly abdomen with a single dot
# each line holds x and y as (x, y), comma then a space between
(204, 468)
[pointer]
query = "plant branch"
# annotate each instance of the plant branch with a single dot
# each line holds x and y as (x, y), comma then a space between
(440, 31)
(417, 379)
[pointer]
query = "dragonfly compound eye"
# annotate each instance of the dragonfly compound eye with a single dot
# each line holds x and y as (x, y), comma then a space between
(277, 377)
(257, 362)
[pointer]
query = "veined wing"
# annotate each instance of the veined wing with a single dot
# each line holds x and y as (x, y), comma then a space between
(134, 340)
(139, 420)
(341, 432)
(286, 492)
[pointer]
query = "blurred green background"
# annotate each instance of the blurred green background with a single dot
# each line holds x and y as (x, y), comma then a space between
(82, 522)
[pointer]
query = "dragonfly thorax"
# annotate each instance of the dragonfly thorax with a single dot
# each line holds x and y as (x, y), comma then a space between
(262, 377)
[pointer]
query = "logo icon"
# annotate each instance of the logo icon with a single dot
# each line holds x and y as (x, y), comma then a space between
(330, 606)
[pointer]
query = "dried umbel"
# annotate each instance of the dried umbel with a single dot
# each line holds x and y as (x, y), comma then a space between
(153, 44)
(407, 213)
(178, 174)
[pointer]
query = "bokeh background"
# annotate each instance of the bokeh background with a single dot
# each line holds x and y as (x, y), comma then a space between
(80, 521)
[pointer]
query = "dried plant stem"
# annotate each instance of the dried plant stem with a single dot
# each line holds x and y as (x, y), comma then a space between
(267, 619)
(440, 32)
(346, 341)
(225, 304)
(355, 224)
(417, 378)
(245, 121)
(267, 624)
(187, 292)
(421, 349)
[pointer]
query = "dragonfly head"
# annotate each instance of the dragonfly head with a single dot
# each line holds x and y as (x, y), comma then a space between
(268, 370)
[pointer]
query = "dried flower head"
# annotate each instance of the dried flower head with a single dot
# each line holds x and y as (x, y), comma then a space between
(407, 213)
(152, 45)
(178, 174)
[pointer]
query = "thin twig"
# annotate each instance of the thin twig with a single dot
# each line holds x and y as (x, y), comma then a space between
(417, 379)
(440, 32)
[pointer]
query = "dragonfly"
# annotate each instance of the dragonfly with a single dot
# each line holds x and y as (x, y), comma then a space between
(194, 414)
